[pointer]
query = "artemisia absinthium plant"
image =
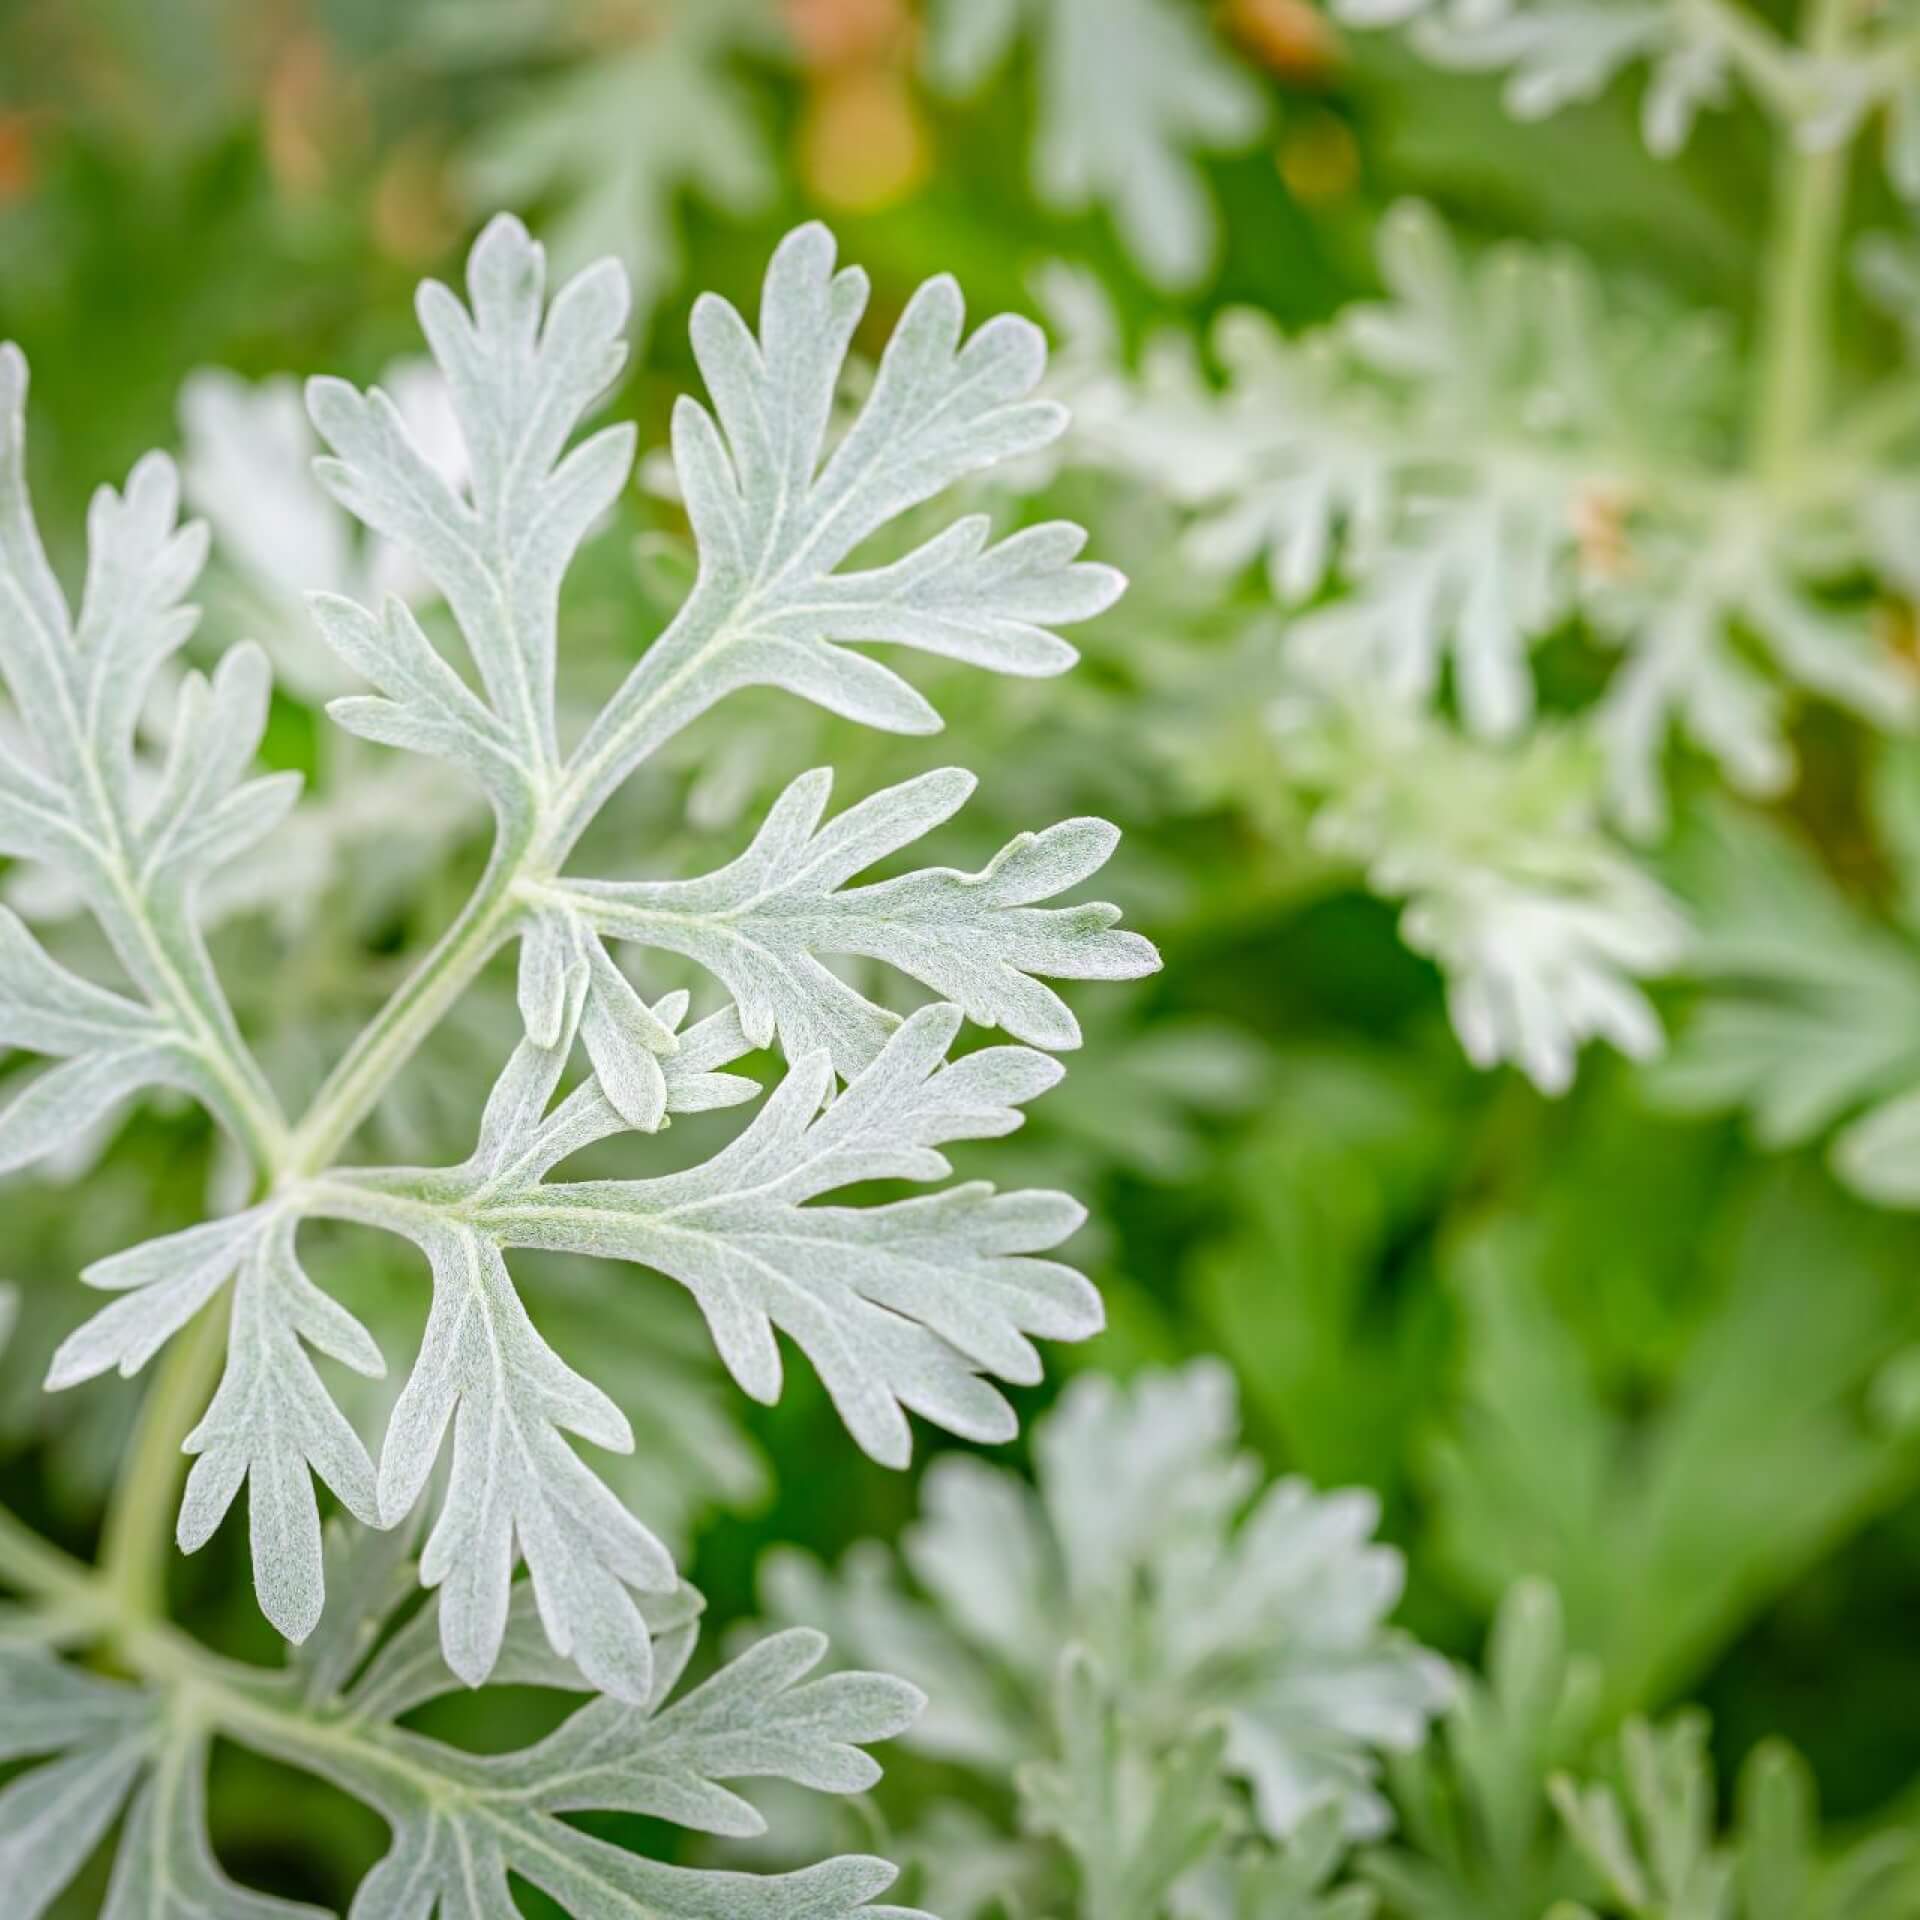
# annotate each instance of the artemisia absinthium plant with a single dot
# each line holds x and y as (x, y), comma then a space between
(912, 1306)
(1505, 453)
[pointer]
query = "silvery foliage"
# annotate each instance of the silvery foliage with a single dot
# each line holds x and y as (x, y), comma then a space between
(247, 468)
(651, 1355)
(1697, 57)
(1146, 1626)
(1494, 454)
(900, 1306)
(1540, 922)
(617, 139)
(1486, 452)
(97, 1734)
(1555, 53)
(134, 840)
(761, 923)
(460, 1822)
(909, 1305)
(1125, 88)
(278, 535)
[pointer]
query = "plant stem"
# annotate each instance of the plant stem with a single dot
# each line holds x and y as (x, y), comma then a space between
(1798, 273)
(140, 1514)
(185, 985)
(1751, 45)
(417, 1006)
(659, 695)
(205, 1692)
(139, 1525)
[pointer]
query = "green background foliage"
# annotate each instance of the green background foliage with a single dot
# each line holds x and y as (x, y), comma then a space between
(1624, 1341)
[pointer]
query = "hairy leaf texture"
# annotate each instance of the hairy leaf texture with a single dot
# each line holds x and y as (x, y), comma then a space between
(898, 1306)
(163, 1284)
(95, 1736)
(278, 535)
(165, 1868)
(515, 1488)
(110, 1046)
(1494, 447)
(273, 1425)
(521, 375)
(777, 512)
(515, 1483)
(135, 841)
(1141, 1626)
(461, 1823)
(918, 1305)
(978, 940)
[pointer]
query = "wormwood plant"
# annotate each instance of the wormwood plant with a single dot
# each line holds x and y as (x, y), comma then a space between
(916, 1305)
(1552, 553)
(1187, 1676)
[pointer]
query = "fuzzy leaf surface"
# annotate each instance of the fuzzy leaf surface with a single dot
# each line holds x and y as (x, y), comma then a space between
(978, 940)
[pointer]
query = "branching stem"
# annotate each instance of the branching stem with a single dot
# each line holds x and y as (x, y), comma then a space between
(655, 700)
(1751, 45)
(205, 1692)
(416, 1007)
(1798, 273)
(139, 1521)
(139, 1526)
